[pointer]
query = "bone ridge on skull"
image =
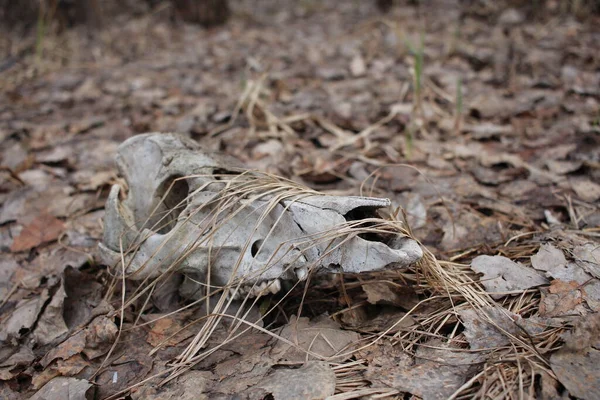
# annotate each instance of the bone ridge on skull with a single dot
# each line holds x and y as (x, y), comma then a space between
(205, 216)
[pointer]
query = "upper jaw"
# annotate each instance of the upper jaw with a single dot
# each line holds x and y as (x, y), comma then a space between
(150, 162)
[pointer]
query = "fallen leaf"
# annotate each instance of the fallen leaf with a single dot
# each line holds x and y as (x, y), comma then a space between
(245, 370)
(93, 341)
(563, 167)
(167, 332)
(63, 388)
(576, 363)
(588, 258)
(46, 375)
(126, 370)
(488, 130)
(71, 366)
(23, 318)
(586, 189)
(192, 385)
(562, 299)
(548, 258)
(321, 336)
(42, 229)
(12, 366)
(553, 262)
(502, 276)
(99, 336)
(51, 325)
(435, 373)
(7, 268)
(390, 293)
(70, 347)
(27, 202)
(388, 319)
(492, 332)
(313, 380)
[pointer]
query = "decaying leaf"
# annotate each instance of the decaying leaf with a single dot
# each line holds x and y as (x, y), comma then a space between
(23, 317)
(436, 372)
(495, 330)
(576, 364)
(553, 261)
(51, 325)
(388, 319)
(63, 388)
(7, 269)
(573, 282)
(588, 258)
(390, 293)
(12, 366)
(321, 336)
(313, 380)
(241, 372)
(562, 299)
(193, 385)
(131, 367)
(93, 341)
(42, 229)
(548, 258)
(168, 332)
(501, 276)
(586, 189)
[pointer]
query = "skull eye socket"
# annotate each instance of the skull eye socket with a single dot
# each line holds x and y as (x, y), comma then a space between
(363, 213)
(256, 246)
(170, 197)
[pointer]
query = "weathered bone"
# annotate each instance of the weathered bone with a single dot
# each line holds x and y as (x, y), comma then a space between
(200, 214)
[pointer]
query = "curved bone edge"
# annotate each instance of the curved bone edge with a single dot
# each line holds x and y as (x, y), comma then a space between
(344, 204)
(357, 254)
(140, 263)
(146, 161)
(173, 155)
(108, 256)
(118, 223)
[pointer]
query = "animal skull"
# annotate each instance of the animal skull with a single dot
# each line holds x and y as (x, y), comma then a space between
(220, 225)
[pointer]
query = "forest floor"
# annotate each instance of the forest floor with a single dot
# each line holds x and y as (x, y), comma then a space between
(481, 121)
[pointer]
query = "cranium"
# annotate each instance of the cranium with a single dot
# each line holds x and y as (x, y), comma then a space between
(206, 217)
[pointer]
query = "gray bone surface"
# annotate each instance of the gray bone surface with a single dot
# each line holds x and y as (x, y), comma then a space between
(166, 221)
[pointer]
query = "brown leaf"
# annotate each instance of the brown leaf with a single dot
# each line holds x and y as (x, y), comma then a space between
(45, 376)
(576, 363)
(561, 298)
(42, 229)
(63, 388)
(193, 385)
(435, 373)
(23, 317)
(502, 275)
(558, 286)
(72, 366)
(586, 189)
(313, 380)
(388, 319)
(70, 347)
(130, 368)
(483, 334)
(51, 324)
(389, 293)
(320, 336)
(167, 332)
(94, 341)
(12, 366)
